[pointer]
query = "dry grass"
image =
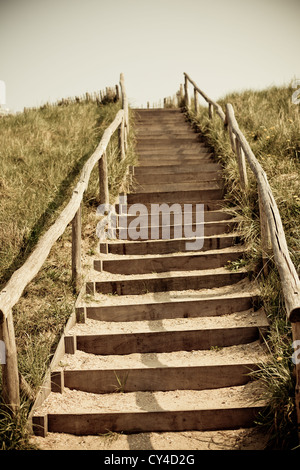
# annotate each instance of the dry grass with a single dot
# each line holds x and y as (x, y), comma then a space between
(271, 124)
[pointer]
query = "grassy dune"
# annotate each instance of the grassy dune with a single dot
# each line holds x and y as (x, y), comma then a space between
(42, 152)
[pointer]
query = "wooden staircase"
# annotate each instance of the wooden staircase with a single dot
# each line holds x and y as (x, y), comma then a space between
(169, 335)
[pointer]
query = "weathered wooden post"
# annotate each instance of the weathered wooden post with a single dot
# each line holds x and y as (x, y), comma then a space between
(125, 108)
(210, 111)
(195, 101)
(103, 180)
(9, 363)
(76, 250)
(121, 136)
(242, 164)
(117, 93)
(264, 233)
(186, 92)
(229, 126)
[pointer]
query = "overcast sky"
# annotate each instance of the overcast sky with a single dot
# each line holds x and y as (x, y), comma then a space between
(50, 49)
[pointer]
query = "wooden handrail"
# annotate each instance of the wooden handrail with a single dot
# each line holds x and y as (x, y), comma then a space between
(287, 271)
(272, 232)
(211, 103)
(271, 223)
(13, 290)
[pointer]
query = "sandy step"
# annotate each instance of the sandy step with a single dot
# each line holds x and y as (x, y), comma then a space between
(159, 232)
(208, 205)
(161, 282)
(144, 247)
(144, 139)
(84, 413)
(160, 118)
(172, 216)
(164, 131)
(179, 147)
(162, 263)
(249, 353)
(177, 168)
(173, 158)
(193, 149)
(170, 161)
(179, 186)
(172, 304)
(148, 179)
(182, 197)
(165, 158)
(182, 370)
(110, 338)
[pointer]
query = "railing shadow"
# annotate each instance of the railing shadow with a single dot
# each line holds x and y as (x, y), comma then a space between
(44, 221)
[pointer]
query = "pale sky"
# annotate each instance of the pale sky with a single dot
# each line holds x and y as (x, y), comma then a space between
(50, 49)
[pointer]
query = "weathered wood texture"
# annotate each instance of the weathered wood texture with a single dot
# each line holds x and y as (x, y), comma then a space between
(125, 109)
(76, 250)
(212, 103)
(271, 224)
(10, 375)
(288, 274)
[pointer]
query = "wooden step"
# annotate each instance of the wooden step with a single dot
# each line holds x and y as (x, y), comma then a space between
(147, 164)
(172, 304)
(175, 262)
(166, 139)
(209, 216)
(179, 186)
(164, 336)
(177, 168)
(208, 205)
(134, 412)
(167, 231)
(162, 282)
(149, 179)
(178, 196)
(164, 132)
(195, 370)
(196, 149)
(152, 247)
(155, 155)
(172, 144)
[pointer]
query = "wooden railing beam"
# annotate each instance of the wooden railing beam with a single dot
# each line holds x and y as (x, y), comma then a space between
(287, 271)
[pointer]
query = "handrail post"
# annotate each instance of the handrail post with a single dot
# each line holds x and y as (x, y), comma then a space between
(242, 164)
(196, 101)
(210, 111)
(186, 93)
(121, 134)
(180, 95)
(264, 233)
(10, 374)
(236, 147)
(229, 127)
(103, 180)
(76, 250)
(125, 108)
